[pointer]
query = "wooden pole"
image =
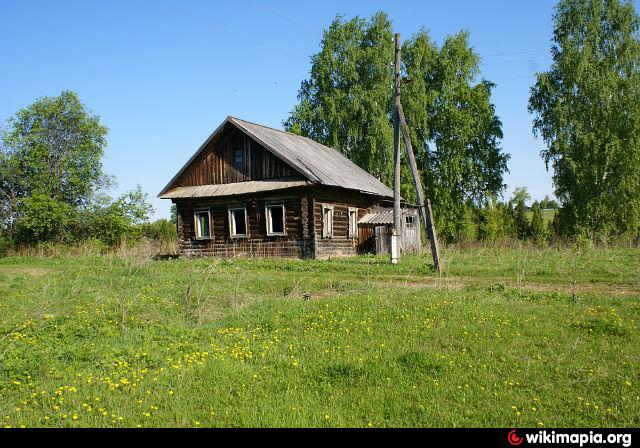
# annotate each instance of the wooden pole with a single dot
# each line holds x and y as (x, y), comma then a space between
(396, 234)
(424, 207)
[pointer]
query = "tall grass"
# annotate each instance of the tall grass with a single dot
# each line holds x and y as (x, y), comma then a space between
(92, 248)
(125, 340)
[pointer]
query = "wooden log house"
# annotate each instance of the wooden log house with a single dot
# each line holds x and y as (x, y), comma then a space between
(251, 190)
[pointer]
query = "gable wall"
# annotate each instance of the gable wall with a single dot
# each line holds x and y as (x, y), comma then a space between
(215, 164)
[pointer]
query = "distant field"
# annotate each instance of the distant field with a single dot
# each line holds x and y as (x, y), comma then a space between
(505, 338)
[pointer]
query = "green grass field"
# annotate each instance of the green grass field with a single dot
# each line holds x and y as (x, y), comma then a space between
(505, 337)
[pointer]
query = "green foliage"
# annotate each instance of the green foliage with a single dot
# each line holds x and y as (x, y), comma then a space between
(453, 125)
(520, 194)
(173, 214)
(467, 228)
(491, 224)
(51, 178)
(107, 224)
(548, 203)
(111, 221)
(159, 230)
(44, 219)
(347, 100)
(347, 104)
(521, 222)
(538, 229)
(587, 110)
(53, 148)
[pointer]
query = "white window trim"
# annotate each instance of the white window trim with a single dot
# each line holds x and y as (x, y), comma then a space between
(327, 232)
(232, 222)
(269, 205)
(196, 223)
(353, 233)
(414, 218)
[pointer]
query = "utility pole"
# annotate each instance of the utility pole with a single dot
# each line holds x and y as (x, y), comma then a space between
(396, 234)
(424, 206)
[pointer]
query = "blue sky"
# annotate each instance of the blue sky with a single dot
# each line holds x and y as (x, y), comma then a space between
(163, 75)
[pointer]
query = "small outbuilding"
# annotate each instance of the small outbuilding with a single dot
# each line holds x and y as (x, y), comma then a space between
(251, 190)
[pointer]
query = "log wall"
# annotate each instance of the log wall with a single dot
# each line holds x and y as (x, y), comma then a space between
(339, 244)
(257, 243)
(303, 224)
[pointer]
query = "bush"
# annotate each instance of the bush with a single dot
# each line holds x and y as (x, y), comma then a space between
(160, 230)
(490, 223)
(5, 243)
(521, 221)
(538, 229)
(44, 219)
(467, 229)
(108, 225)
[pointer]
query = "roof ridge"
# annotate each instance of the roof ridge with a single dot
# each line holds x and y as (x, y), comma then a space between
(280, 130)
(308, 139)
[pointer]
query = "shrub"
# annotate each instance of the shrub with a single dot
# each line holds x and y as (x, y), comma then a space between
(44, 219)
(160, 230)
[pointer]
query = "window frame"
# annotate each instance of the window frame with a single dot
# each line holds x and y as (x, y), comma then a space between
(327, 231)
(414, 221)
(239, 165)
(269, 224)
(352, 232)
(232, 221)
(196, 223)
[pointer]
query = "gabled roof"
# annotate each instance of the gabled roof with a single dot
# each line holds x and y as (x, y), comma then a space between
(318, 163)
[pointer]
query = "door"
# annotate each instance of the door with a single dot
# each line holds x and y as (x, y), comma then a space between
(410, 233)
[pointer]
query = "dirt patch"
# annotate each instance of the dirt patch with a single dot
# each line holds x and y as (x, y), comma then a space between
(456, 283)
(33, 272)
(584, 288)
(446, 283)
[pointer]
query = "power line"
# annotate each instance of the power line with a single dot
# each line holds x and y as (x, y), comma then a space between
(513, 77)
(517, 61)
(513, 53)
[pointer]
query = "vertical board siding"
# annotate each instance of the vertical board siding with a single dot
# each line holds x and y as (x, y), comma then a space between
(215, 165)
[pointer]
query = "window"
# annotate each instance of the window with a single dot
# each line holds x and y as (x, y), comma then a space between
(238, 222)
(202, 224)
(275, 219)
(410, 221)
(238, 158)
(353, 222)
(327, 221)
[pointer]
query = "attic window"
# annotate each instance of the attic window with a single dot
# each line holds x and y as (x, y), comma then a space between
(238, 222)
(202, 221)
(327, 221)
(275, 219)
(238, 158)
